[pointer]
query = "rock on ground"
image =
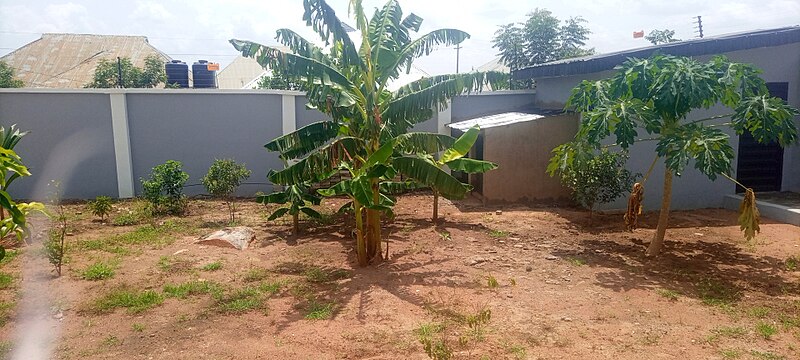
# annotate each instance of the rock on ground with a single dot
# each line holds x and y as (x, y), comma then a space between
(233, 237)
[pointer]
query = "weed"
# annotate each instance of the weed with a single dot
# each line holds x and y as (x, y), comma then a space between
(713, 293)
(759, 312)
(498, 233)
(735, 332)
(214, 266)
(5, 312)
(316, 275)
(320, 311)
(788, 321)
(139, 212)
(172, 264)
(433, 342)
(137, 327)
(148, 235)
(271, 288)
(134, 301)
(671, 295)
(192, 288)
(445, 235)
(256, 274)
(5, 349)
(98, 271)
(766, 355)
(242, 300)
(513, 282)
(6, 280)
(110, 341)
(730, 354)
(765, 330)
(792, 263)
(517, 351)
(576, 261)
(10, 255)
(100, 207)
(491, 282)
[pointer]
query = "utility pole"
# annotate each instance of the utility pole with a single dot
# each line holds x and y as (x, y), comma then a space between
(119, 72)
(458, 54)
(699, 26)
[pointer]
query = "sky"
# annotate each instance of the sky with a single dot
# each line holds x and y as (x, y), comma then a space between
(199, 29)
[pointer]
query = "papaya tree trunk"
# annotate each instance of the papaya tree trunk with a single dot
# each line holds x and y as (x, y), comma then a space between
(296, 224)
(361, 245)
(435, 206)
(663, 217)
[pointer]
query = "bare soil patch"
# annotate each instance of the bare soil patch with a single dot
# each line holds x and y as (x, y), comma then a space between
(523, 283)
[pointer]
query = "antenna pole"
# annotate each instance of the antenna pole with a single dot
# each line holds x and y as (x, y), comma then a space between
(458, 54)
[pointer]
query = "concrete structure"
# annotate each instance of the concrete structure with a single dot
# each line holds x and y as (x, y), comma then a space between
(776, 52)
(68, 60)
(103, 141)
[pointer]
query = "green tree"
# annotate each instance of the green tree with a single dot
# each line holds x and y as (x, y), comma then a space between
(7, 79)
(164, 188)
(106, 74)
(541, 38)
(366, 134)
(280, 81)
(222, 180)
(598, 179)
(661, 36)
(296, 199)
(656, 96)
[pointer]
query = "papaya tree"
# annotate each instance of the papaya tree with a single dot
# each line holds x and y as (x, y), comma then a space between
(656, 96)
(367, 122)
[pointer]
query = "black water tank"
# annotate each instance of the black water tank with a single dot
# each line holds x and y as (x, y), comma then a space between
(203, 78)
(177, 73)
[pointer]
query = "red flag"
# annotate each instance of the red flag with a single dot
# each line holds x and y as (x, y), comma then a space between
(638, 34)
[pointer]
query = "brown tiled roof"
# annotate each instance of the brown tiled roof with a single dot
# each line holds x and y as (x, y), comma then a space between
(69, 60)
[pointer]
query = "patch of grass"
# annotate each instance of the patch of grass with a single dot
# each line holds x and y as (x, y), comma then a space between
(734, 332)
(244, 300)
(146, 235)
(5, 312)
(766, 355)
(256, 274)
(788, 321)
(138, 213)
(765, 330)
(792, 263)
(110, 341)
(214, 266)
(191, 288)
(318, 275)
(759, 312)
(714, 293)
(133, 300)
(517, 351)
(6, 280)
(5, 349)
(576, 261)
(498, 234)
(491, 282)
(730, 354)
(171, 264)
(668, 294)
(98, 271)
(271, 288)
(11, 254)
(137, 327)
(320, 311)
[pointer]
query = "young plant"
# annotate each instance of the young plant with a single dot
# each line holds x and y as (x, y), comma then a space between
(348, 82)
(100, 207)
(13, 215)
(222, 179)
(598, 179)
(296, 199)
(164, 189)
(55, 244)
(656, 96)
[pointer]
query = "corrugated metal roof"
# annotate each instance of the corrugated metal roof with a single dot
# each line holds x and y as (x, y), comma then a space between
(694, 47)
(490, 121)
(69, 60)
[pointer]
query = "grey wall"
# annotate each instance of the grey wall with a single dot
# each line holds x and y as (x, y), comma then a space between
(195, 128)
(72, 138)
(692, 189)
(70, 141)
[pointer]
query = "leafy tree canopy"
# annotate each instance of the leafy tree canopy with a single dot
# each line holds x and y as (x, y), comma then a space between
(106, 74)
(658, 37)
(7, 79)
(280, 81)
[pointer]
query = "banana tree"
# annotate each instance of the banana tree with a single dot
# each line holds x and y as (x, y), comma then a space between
(297, 197)
(367, 120)
(8, 140)
(453, 158)
(11, 166)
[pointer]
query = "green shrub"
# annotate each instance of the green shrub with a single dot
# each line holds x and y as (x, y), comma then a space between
(164, 189)
(98, 271)
(222, 179)
(597, 179)
(100, 207)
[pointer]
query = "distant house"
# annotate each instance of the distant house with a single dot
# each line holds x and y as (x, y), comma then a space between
(69, 60)
(243, 73)
(764, 167)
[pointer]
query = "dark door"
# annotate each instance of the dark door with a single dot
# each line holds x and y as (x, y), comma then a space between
(476, 180)
(760, 166)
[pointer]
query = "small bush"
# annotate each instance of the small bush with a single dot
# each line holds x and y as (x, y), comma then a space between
(54, 247)
(164, 189)
(222, 179)
(100, 207)
(98, 271)
(598, 179)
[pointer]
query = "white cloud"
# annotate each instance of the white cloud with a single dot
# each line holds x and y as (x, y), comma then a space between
(151, 10)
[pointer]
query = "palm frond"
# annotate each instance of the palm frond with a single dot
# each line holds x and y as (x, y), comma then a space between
(300, 46)
(323, 20)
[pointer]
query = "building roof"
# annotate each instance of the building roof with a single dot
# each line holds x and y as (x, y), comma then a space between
(507, 118)
(69, 60)
(240, 73)
(694, 47)
(495, 65)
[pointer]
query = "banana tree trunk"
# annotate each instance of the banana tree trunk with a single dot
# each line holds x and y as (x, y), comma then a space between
(374, 226)
(296, 224)
(435, 206)
(361, 245)
(663, 217)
